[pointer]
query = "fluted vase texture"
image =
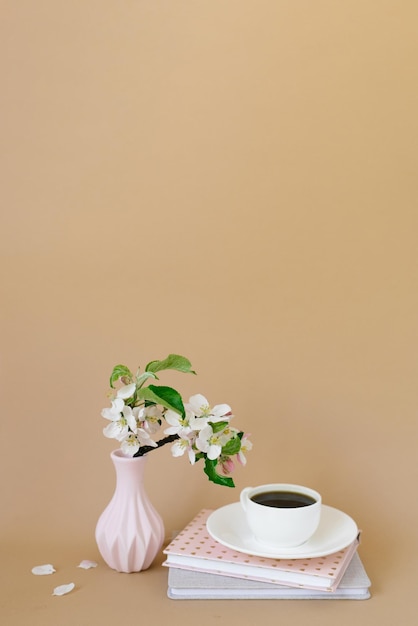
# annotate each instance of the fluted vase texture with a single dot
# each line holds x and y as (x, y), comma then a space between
(129, 532)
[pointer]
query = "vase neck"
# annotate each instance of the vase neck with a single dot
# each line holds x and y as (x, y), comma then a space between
(129, 470)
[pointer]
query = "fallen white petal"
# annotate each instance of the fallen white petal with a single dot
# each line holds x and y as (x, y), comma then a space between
(63, 589)
(86, 564)
(43, 570)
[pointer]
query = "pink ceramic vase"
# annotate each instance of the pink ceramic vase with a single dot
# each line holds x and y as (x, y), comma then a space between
(130, 532)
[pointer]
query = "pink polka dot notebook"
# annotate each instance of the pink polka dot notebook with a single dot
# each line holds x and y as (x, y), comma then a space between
(194, 549)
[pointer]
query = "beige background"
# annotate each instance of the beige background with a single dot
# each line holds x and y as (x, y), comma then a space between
(234, 181)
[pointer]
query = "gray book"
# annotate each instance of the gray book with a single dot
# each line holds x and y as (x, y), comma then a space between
(186, 584)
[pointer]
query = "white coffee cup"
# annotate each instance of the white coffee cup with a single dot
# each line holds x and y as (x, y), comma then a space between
(281, 515)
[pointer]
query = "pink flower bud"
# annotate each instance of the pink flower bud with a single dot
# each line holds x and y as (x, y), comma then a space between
(226, 466)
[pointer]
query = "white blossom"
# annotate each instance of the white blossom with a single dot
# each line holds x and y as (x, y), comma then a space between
(184, 444)
(211, 442)
(130, 445)
(113, 413)
(127, 391)
(151, 418)
(117, 429)
(200, 407)
(246, 445)
(177, 422)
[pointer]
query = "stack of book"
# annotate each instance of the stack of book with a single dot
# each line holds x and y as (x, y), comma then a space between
(199, 567)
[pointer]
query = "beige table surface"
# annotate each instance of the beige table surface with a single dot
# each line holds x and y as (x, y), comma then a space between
(103, 596)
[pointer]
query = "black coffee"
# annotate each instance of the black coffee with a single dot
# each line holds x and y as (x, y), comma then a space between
(283, 499)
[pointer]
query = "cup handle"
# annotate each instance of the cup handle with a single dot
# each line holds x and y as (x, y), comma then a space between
(244, 497)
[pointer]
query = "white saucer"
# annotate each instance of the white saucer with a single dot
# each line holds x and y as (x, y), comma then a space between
(228, 526)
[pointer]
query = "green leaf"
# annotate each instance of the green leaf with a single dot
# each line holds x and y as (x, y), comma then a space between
(118, 372)
(210, 472)
(172, 362)
(143, 377)
(232, 447)
(218, 426)
(166, 396)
